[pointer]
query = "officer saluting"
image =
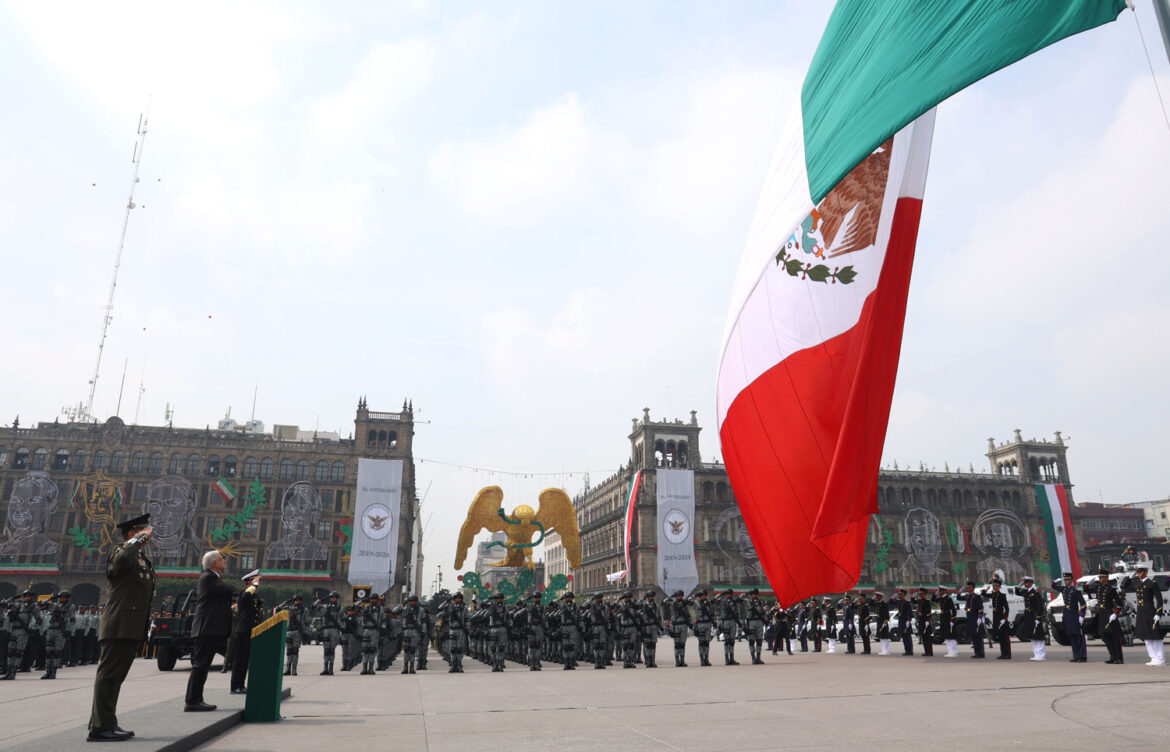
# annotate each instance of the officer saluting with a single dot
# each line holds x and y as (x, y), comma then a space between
(123, 629)
(1109, 604)
(1072, 619)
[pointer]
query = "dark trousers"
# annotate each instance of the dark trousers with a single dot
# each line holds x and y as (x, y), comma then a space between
(240, 660)
(977, 643)
(907, 640)
(865, 641)
(1112, 642)
(1080, 651)
(1005, 643)
(116, 658)
(849, 642)
(927, 642)
(205, 650)
(804, 642)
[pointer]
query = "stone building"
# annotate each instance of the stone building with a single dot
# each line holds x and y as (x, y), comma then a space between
(933, 527)
(280, 501)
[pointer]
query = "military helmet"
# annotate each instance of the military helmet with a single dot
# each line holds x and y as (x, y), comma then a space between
(626, 595)
(702, 593)
(597, 596)
(651, 593)
(64, 594)
(729, 591)
(535, 595)
(29, 592)
(497, 596)
(298, 597)
(412, 598)
(677, 594)
(398, 610)
(754, 591)
(458, 594)
(335, 594)
(568, 596)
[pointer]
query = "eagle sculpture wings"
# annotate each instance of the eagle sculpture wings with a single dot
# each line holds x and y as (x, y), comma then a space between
(554, 513)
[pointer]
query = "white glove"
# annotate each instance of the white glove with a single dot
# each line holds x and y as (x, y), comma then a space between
(1112, 617)
(1082, 621)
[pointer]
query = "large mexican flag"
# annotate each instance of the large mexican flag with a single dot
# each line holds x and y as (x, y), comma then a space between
(811, 347)
(1058, 529)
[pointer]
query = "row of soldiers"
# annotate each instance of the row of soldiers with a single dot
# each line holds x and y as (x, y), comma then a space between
(49, 633)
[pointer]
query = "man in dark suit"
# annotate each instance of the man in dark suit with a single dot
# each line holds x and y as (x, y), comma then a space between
(123, 626)
(210, 627)
(248, 611)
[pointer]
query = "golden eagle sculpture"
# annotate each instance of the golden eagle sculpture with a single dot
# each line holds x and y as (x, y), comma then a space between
(554, 513)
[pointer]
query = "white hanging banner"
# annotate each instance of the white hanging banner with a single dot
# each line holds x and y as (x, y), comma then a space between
(377, 503)
(676, 531)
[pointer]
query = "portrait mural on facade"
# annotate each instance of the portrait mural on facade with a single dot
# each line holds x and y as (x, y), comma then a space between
(1002, 537)
(33, 501)
(99, 498)
(171, 502)
(739, 550)
(922, 537)
(300, 509)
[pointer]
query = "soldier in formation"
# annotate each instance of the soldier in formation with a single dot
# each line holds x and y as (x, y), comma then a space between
(1072, 618)
(454, 615)
(947, 613)
(729, 625)
(829, 623)
(756, 617)
(331, 629)
(782, 630)
(1109, 607)
(923, 622)
(678, 615)
(1149, 614)
(298, 625)
(22, 618)
(413, 630)
(651, 624)
(883, 623)
(1033, 618)
(59, 624)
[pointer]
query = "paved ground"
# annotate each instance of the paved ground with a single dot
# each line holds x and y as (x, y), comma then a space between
(806, 701)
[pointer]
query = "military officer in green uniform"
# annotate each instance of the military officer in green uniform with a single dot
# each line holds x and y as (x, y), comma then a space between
(123, 627)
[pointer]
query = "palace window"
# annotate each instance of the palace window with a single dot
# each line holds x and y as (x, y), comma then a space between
(303, 470)
(156, 464)
(338, 476)
(266, 467)
(176, 466)
(138, 462)
(321, 472)
(193, 463)
(286, 469)
(249, 467)
(38, 459)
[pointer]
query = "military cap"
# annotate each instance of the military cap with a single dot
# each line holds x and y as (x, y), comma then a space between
(754, 591)
(729, 591)
(250, 575)
(625, 595)
(352, 607)
(1029, 578)
(298, 597)
(1103, 572)
(901, 590)
(879, 595)
(335, 594)
(826, 599)
(133, 523)
(922, 590)
(677, 594)
(1141, 566)
(702, 593)
(1067, 575)
(64, 594)
(996, 581)
(970, 583)
(29, 592)
(650, 593)
(412, 598)
(498, 596)
(397, 611)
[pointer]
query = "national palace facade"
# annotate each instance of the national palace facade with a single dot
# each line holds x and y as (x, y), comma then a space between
(281, 501)
(933, 527)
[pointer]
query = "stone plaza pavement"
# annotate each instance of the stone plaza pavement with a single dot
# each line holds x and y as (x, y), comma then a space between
(804, 701)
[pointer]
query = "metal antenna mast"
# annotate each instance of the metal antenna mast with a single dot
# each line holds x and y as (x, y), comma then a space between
(108, 314)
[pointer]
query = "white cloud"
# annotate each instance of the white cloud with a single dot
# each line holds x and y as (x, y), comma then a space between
(519, 170)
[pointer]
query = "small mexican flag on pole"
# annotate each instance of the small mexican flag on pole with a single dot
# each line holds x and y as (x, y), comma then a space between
(224, 489)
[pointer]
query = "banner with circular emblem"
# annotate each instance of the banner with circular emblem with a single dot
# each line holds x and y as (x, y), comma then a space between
(676, 531)
(375, 524)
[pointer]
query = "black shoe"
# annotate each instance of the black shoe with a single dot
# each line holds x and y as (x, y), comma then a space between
(123, 732)
(105, 736)
(325, 672)
(199, 707)
(1111, 661)
(977, 656)
(239, 691)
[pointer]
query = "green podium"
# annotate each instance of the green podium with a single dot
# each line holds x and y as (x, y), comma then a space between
(266, 670)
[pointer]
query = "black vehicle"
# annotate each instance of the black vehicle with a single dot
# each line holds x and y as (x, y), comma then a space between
(171, 634)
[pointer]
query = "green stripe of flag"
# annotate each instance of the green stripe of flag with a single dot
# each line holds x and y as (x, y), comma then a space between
(1049, 531)
(882, 63)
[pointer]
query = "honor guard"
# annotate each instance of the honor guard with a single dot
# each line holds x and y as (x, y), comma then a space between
(331, 621)
(704, 626)
(412, 633)
(497, 631)
(651, 623)
(59, 625)
(250, 611)
(729, 624)
(829, 620)
(534, 628)
(861, 605)
(883, 622)
(756, 617)
(24, 618)
(906, 622)
(351, 633)
(678, 614)
(1031, 626)
(455, 619)
(803, 625)
(922, 622)
(848, 611)
(1109, 605)
(1001, 628)
(946, 621)
(976, 620)
(781, 625)
(372, 615)
(570, 618)
(1149, 611)
(630, 626)
(428, 633)
(598, 620)
(298, 626)
(1072, 618)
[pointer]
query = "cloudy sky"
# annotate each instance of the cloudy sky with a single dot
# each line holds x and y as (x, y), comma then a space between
(527, 217)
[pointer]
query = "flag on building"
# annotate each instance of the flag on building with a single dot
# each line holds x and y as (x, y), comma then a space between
(225, 489)
(631, 498)
(1058, 530)
(810, 351)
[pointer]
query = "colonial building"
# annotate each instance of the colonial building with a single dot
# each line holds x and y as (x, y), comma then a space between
(280, 501)
(933, 527)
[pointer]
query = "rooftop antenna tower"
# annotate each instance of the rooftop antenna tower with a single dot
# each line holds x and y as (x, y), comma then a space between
(86, 411)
